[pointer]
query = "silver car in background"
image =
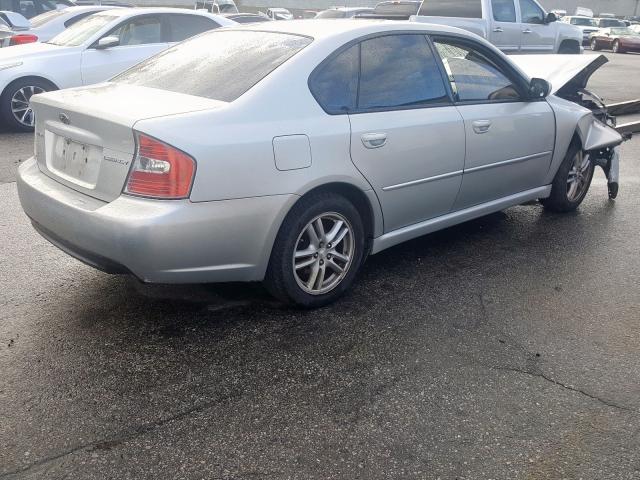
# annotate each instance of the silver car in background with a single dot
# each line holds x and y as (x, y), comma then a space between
(301, 147)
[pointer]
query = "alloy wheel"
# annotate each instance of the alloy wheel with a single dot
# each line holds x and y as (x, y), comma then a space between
(323, 254)
(616, 47)
(594, 44)
(578, 178)
(21, 107)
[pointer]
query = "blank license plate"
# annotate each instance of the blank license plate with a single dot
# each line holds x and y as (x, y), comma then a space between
(76, 161)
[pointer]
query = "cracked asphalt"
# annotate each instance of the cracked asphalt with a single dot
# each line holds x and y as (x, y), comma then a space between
(506, 347)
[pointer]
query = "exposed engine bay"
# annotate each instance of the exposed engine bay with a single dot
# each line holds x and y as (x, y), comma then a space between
(597, 131)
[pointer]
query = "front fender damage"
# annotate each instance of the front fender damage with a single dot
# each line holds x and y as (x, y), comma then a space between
(600, 141)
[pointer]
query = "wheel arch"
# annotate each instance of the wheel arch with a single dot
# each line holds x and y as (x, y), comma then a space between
(27, 77)
(570, 46)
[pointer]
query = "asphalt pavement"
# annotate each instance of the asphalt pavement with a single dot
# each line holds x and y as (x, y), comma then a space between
(504, 348)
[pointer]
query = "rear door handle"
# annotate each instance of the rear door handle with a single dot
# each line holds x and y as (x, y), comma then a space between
(481, 126)
(526, 30)
(374, 140)
(498, 30)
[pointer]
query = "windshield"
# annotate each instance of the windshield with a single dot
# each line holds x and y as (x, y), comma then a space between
(623, 31)
(583, 22)
(227, 7)
(80, 32)
(194, 67)
(45, 17)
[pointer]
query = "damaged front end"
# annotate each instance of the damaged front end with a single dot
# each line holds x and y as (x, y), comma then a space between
(596, 127)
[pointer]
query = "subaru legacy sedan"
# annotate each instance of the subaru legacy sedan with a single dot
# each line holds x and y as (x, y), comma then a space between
(301, 147)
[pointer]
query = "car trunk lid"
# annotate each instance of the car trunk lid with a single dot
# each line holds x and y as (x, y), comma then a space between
(85, 138)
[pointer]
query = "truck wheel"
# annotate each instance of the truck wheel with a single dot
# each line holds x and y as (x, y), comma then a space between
(572, 181)
(317, 252)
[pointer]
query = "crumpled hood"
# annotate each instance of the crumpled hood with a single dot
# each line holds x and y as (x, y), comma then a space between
(572, 71)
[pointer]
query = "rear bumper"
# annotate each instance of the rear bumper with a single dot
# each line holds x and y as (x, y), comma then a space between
(157, 241)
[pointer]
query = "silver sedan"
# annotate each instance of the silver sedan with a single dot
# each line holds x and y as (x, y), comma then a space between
(298, 148)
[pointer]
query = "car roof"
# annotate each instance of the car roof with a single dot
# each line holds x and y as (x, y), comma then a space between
(122, 12)
(326, 28)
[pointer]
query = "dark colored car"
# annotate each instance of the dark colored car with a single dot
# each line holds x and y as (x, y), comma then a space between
(617, 39)
(31, 8)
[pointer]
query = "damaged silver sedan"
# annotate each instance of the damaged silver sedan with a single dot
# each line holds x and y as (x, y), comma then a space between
(302, 147)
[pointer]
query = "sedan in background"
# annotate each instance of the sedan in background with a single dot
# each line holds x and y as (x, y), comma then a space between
(616, 39)
(391, 131)
(279, 14)
(247, 17)
(31, 8)
(90, 51)
(47, 25)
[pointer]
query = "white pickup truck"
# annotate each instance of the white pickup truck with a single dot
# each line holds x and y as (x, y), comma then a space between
(514, 26)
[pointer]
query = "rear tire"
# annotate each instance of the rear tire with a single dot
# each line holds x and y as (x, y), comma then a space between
(572, 181)
(616, 47)
(317, 252)
(15, 109)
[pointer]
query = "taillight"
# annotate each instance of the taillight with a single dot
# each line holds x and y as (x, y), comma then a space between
(22, 38)
(160, 170)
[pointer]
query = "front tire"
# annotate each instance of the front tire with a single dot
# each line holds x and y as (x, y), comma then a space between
(318, 251)
(572, 181)
(15, 107)
(594, 45)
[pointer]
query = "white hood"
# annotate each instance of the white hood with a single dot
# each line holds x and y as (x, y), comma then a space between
(560, 70)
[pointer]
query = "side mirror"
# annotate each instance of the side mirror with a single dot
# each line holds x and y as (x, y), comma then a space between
(108, 42)
(538, 88)
(550, 18)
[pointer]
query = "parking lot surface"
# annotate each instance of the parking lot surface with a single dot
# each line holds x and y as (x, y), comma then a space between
(506, 347)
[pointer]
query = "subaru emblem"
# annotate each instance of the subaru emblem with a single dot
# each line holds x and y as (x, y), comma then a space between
(64, 118)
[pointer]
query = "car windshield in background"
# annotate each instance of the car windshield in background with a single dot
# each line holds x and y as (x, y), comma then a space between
(45, 17)
(394, 8)
(80, 32)
(622, 31)
(583, 22)
(196, 67)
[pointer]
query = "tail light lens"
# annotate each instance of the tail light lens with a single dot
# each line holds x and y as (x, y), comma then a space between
(160, 170)
(23, 38)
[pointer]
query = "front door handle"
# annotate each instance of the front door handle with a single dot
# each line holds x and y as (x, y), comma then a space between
(481, 126)
(526, 30)
(498, 30)
(374, 140)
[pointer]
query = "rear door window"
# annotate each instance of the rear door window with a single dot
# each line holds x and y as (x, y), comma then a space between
(399, 71)
(221, 65)
(451, 8)
(182, 27)
(503, 10)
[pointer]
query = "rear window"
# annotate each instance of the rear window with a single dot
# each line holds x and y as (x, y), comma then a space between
(217, 65)
(452, 8)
